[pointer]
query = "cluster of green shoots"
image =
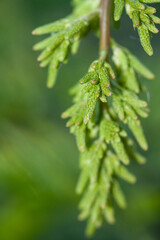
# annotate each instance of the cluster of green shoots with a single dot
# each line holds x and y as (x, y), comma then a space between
(143, 19)
(106, 103)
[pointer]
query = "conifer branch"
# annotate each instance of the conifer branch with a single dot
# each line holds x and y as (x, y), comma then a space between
(105, 99)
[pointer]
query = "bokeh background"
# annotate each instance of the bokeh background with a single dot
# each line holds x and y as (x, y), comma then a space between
(38, 156)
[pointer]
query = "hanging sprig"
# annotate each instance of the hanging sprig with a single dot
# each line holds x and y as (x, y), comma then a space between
(143, 19)
(100, 167)
(103, 143)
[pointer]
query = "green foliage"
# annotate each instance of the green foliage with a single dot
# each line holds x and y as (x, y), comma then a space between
(106, 104)
(64, 40)
(100, 136)
(143, 19)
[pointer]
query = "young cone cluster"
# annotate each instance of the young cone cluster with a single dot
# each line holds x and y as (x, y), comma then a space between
(143, 19)
(106, 103)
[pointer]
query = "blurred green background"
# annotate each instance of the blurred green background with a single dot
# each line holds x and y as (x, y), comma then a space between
(38, 156)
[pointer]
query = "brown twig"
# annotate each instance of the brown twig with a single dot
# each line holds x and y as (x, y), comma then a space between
(105, 7)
